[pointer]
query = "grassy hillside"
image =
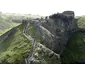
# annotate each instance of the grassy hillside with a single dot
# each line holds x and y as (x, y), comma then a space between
(5, 24)
(14, 48)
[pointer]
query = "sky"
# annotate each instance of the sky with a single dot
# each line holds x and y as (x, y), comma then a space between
(42, 7)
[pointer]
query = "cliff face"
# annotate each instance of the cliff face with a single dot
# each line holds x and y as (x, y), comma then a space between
(62, 26)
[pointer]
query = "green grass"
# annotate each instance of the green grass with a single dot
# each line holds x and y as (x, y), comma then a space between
(15, 47)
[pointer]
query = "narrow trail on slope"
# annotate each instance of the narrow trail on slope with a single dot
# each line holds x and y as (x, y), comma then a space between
(30, 57)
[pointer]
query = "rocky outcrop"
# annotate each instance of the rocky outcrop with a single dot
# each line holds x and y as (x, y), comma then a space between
(62, 26)
(44, 55)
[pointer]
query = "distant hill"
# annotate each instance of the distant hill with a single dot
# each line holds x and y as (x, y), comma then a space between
(9, 20)
(5, 23)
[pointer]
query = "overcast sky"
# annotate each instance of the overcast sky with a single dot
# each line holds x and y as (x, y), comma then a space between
(42, 7)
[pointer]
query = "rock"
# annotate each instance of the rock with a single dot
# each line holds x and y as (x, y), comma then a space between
(62, 25)
(44, 55)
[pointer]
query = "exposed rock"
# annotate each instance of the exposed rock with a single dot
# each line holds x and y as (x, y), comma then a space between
(44, 55)
(62, 25)
(47, 56)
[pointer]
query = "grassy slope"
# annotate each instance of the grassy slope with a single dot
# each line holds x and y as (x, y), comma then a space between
(5, 23)
(16, 47)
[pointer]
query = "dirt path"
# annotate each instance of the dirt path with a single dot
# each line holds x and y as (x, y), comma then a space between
(30, 57)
